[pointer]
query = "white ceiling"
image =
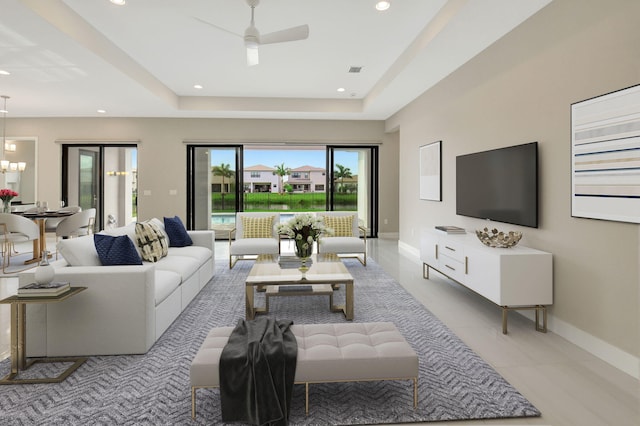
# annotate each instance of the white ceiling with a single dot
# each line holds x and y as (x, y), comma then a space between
(73, 57)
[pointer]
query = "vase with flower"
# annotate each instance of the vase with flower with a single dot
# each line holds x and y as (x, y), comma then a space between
(304, 229)
(6, 195)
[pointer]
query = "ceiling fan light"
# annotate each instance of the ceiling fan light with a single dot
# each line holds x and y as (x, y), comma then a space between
(383, 5)
(252, 55)
(118, 2)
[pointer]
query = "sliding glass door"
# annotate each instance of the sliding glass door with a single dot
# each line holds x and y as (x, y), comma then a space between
(103, 177)
(225, 179)
(352, 182)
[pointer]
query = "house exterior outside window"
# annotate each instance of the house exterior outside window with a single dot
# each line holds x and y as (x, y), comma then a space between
(260, 178)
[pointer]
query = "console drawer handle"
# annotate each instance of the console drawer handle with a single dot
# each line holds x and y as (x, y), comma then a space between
(449, 248)
(450, 267)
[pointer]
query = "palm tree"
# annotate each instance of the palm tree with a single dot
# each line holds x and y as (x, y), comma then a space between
(281, 171)
(225, 171)
(342, 173)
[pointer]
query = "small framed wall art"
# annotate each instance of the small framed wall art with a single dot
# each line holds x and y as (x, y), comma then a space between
(605, 157)
(431, 171)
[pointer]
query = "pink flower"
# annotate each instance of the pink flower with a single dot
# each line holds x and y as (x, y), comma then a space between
(7, 194)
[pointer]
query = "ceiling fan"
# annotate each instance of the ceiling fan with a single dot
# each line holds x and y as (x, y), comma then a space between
(253, 39)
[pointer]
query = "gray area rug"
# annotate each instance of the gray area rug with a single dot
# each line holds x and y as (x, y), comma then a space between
(153, 389)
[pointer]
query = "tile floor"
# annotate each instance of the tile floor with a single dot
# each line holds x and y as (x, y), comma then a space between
(567, 384)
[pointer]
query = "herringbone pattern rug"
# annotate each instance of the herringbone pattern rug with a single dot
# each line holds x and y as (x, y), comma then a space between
(153, 389)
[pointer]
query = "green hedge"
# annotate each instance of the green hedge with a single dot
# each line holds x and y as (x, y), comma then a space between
(265, 201)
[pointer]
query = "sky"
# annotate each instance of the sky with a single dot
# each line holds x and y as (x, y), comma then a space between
(291, 158)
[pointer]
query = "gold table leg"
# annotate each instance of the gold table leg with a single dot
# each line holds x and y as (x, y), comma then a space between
(249, 302)
(19, 351)
(349, 301)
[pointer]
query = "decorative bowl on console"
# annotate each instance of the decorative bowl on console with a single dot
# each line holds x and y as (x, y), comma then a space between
(498, 239)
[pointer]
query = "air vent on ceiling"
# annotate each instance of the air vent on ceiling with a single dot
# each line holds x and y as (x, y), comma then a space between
(355, 69)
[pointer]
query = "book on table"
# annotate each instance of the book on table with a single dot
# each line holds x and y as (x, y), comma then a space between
(53, 288)
(449, 229)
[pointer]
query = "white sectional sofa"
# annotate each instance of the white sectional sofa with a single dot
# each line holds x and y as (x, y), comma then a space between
(125, 308)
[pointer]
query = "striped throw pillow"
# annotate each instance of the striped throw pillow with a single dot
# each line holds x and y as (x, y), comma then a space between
(152, 241)
(257, 227)
(342, 225)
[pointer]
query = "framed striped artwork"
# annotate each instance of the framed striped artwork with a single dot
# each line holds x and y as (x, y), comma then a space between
(605, 156)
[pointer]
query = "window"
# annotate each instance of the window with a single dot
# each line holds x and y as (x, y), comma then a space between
(255, 174)
(320, 187)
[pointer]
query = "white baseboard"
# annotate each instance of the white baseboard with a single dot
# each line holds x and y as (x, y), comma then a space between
(605, 351)
(389, 235)
(409, 251)
(613, 355)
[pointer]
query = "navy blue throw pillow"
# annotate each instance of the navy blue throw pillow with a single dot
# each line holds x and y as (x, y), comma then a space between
(177, 233)
(116, 250)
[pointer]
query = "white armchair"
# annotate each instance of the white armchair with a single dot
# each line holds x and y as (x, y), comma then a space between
(349, 239)
(254, 235)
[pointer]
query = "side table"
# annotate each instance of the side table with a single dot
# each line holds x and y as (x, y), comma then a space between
(19, 342)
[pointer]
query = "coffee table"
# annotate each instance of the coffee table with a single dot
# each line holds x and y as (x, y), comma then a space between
(325, 268)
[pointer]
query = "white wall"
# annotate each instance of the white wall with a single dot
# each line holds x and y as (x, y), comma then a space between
(520, 90)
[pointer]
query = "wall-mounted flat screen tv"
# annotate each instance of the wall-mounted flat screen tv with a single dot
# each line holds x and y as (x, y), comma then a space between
(500, 184)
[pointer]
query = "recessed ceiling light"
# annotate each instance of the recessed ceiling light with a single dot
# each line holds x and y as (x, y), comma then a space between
(102, 111)
(3, 72)
(341, 89)
(383, 5)
(118, 2)
(198, 86)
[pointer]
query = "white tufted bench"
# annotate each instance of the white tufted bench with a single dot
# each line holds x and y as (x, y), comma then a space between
(344, 352)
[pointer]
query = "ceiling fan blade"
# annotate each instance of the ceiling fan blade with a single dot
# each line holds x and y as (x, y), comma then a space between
(218, 27)
(300, 32)
(252, 56)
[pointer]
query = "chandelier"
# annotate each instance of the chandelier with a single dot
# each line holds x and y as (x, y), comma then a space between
(6, 165)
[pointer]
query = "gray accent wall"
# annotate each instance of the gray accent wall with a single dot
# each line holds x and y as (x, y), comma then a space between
(520, 90)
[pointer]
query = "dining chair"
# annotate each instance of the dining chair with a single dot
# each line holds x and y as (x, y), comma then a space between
(15, 229)
(52, 223)
(77, 225)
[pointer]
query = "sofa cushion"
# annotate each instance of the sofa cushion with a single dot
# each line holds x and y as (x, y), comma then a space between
(166, 283)
(257, 227)
(118, 250)
(178, 236)
(151, 241)
(79, 251)
(182, 265)
(342, 226)
(201, 254)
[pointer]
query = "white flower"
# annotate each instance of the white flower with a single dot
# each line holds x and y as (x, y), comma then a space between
(304, 226)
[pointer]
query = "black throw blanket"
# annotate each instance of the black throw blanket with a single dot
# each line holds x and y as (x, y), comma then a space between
(257, 369)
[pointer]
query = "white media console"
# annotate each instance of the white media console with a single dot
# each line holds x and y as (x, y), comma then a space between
(512, 278)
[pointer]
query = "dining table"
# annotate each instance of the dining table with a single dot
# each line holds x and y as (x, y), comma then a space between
(40, 218)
